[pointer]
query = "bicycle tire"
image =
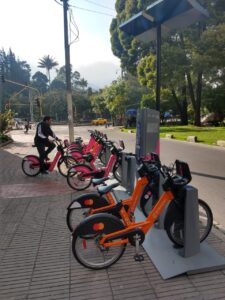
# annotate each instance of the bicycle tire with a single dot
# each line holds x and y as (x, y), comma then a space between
(86, 248)
(64, 163)
(175, 227)
(79, 208)
(76, 179)
(31, 165)
(117, 171)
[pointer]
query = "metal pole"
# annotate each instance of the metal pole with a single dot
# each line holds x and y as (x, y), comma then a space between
(31, 107)
(68, 73)
(158, 67)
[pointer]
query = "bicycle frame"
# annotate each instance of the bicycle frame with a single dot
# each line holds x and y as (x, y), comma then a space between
(144, 226)
(110, 164)
(107, 169)
(85, 146)
(54, 162)
(130, 202)
(95, 151)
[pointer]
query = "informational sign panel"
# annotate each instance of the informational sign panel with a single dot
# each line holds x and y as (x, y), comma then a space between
(147, 136)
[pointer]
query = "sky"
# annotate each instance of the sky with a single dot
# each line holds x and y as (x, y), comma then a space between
(34, 28)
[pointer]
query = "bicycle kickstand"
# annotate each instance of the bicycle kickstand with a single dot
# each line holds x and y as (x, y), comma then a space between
(137, 256)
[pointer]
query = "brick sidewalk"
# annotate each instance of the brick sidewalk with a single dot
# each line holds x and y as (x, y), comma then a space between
(35, 251)
(36, 262)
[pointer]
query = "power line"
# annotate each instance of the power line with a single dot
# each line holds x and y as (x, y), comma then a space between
(58, 2)
(99, 5)
(72, 23)
(89, 10)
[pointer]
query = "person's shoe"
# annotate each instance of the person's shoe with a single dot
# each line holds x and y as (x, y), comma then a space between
(44, 172)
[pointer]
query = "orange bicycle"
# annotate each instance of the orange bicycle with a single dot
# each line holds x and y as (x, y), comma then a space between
(103, 200)
(147, 193)
(100, 239)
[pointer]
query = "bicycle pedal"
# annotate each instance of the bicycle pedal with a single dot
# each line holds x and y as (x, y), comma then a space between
(139, 257)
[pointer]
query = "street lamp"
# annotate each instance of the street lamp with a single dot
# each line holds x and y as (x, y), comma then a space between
(29, 89)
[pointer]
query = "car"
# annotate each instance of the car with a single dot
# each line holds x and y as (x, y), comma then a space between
(99, 121)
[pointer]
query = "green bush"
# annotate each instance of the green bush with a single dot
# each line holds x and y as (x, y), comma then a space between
(5, 119)
(4, 138)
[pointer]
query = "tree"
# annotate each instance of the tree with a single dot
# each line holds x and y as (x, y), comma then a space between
(40, 81)
(190, 44)
(19, 71)
(47, 63)
(128, 49)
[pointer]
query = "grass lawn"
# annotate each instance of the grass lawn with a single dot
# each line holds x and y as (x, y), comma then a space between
(206, 135)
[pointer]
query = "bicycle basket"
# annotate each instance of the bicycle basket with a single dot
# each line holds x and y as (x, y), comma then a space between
(182, 170)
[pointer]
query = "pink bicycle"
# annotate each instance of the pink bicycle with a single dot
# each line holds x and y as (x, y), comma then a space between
(31, 163)
(79, 177)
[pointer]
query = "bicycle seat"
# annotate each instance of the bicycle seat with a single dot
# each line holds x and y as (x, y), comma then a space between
(105, 189)
(97, 181)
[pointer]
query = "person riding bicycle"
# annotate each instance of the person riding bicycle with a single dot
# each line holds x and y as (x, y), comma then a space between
(41, 141)
(26, 126)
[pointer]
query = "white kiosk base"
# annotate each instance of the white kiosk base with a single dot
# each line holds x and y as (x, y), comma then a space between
(170, 262)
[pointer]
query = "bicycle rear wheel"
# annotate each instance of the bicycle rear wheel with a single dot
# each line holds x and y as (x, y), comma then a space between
(31, 165)
(87, 249)
(64, 163)
(78, 177)
(175, 228)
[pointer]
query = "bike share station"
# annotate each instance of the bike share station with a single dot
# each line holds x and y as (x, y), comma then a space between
(193, 257)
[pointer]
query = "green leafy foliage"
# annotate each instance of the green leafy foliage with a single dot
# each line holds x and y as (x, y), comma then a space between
(47, 62)
(5, 119)
(192, 60)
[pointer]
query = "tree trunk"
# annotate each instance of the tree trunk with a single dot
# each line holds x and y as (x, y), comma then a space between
(198, 100)
(184, 116)
(182, 107)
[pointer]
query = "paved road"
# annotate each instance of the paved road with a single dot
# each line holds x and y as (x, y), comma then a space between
(207, 164)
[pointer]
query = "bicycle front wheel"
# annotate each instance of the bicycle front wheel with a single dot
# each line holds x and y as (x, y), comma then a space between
(31, 165)
(175, 228)
(79, 177)
(88, 251)
(64, 163)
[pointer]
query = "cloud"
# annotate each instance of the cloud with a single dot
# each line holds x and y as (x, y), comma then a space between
(100, 74)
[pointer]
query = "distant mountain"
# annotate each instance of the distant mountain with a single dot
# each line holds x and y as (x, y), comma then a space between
(99, 74)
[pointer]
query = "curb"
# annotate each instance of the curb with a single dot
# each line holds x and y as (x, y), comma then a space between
(6, 143)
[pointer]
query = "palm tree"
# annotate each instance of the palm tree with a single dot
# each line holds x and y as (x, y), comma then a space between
(48, 63)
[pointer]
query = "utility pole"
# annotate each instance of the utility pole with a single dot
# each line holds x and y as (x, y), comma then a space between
(68, 72)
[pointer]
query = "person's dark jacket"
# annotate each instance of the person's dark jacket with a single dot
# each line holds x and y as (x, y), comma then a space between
(43, 131)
